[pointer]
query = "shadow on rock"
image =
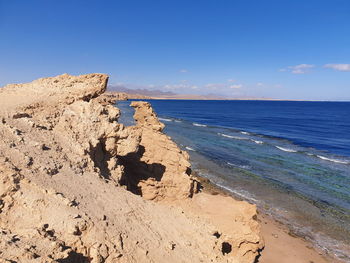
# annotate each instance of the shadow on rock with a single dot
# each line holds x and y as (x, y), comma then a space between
(137, 170)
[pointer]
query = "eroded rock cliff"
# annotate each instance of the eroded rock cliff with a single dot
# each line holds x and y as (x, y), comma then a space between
(66, 166)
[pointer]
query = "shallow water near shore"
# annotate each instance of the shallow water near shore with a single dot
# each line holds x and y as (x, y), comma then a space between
(292, 159)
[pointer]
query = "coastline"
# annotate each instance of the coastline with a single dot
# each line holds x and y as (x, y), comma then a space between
(78, 186)
(281, 244)
(310, 230)
(137, 96)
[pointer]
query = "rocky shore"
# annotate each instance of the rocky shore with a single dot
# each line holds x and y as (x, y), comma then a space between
(77, 186)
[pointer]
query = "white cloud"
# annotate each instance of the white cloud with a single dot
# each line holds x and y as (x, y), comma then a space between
(259, 84)
(174, 86)
(231, 80)
(298, 69)
(183, 70)
(339, 67)
(237, 86)
(214, 85)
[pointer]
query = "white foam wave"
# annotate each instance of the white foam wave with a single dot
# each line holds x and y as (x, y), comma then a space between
(332, 160)
(231, 137)
(163, 119)
(240, 166)
(241, 193)
(246, 133)
(199, 125)
(177, 121)
(190, 149)
(258, 142)
(286, 149)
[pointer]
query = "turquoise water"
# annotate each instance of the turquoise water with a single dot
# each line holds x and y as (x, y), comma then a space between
(292, 162)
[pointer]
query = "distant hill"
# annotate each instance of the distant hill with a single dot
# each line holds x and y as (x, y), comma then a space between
(158, 94)
(145, 92)
(162, 95)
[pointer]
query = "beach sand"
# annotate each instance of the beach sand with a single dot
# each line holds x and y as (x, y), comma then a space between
(280, 245)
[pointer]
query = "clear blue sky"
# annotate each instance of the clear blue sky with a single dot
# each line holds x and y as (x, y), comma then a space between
(289, 49)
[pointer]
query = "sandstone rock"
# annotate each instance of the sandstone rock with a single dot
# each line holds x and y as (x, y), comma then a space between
(65, 162)
(160, 169)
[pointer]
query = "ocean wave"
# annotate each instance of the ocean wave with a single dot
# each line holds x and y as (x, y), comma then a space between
(199, 125)
(242, 193)
(231, 137)
(245, 133)
(240, 166)
(190, 149)
(177, 121)
(286, 149)
(258, 142)
(164, 119)
(333, 160)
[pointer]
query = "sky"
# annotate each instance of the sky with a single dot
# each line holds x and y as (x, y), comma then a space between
(283, 49)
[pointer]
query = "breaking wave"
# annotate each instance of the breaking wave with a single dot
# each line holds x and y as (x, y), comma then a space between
(333, 160)
(190, 149)
(286, 149)
(164, 119)
(199, 125)
(231, 137)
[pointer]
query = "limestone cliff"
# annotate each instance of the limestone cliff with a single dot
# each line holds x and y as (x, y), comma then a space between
(66, 166)
(160, 169)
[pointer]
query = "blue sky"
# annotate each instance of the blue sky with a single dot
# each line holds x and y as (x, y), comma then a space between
(241, 48)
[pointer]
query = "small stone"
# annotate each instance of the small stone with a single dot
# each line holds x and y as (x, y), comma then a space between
(28, 160)
(172, 245)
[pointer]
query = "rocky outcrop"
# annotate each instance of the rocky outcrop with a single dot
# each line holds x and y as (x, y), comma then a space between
(163, 170)
(66, 165)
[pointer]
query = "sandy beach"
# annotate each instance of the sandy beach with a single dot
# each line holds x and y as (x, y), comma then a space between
(281, 246)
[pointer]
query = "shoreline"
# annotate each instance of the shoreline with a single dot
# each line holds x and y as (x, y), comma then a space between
(327, 244)
(89, 189)
(276, 235)
(78, 186)
(137, 96)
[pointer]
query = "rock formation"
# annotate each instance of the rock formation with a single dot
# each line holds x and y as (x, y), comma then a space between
(159, 168)
(66, 166)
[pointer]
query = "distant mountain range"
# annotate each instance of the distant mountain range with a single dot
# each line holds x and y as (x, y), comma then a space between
(145, 92)
(159, 94)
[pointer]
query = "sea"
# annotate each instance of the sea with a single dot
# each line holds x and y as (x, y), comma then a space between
(290, 158)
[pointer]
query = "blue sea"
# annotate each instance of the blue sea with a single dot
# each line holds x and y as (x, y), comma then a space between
(291, 158)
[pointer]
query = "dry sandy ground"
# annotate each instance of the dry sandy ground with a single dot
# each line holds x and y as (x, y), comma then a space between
(280, 247)
(76, 186)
